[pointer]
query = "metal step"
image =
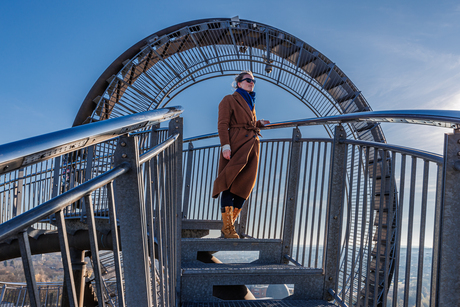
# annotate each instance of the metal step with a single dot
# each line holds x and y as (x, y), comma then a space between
(269, 249)
(199, 278)
(261, 303)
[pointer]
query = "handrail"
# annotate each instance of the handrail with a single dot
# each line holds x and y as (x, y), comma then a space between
(58, 203)
(39, 148)
(437, 158)
(438, 118)
(146, 156)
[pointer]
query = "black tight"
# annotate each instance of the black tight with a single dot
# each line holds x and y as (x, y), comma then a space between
(229, 199)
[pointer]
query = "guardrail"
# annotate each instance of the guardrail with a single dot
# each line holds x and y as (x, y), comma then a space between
(147, 187)
(388, 205)
(338, 204)
(80, 153)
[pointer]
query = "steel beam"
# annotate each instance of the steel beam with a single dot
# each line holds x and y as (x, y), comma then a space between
(334, 218)
(133, 225)
(292, 192)
(448, 279)
(29, 269)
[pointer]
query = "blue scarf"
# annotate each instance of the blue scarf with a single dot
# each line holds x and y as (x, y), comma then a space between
(249, 97)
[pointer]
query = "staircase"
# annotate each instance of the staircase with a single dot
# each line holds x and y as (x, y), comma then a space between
(200, 281)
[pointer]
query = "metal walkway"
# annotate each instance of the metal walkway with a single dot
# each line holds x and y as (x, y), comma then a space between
(318, 226)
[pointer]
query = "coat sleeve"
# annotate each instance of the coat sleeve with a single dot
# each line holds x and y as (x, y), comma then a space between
(223, 122)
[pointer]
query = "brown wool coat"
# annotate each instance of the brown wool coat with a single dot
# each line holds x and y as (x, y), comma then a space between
(238, 126)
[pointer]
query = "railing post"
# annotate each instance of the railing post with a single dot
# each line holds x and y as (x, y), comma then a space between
(188, 179)
(292, 191)
(18, 187)
(176, 126)
(336, 195)
(133, 227)
(448, 279)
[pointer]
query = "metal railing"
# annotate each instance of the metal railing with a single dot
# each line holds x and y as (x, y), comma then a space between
(29, 177)
(16, 295)
(370, 215)
(150, 179)
(388, 207)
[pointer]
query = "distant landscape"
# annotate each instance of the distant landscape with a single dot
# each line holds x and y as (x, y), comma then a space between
(48, 268)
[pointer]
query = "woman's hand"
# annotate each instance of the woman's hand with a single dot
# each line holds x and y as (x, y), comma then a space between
(264, 122)
(227, 154)
(226, 151)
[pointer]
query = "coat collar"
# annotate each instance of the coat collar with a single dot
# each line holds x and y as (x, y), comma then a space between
(244, 105)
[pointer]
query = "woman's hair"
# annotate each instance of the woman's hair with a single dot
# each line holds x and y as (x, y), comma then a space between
(239, 77)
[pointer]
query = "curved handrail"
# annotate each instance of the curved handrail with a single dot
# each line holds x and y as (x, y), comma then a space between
(58, 203)
(438, 118)
(437, 158)
(39, 148)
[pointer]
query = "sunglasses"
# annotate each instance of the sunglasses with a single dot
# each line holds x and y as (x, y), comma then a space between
(248, 80)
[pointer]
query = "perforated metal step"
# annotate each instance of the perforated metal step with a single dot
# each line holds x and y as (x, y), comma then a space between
(199, 278)
(261, 303)
(269, 249)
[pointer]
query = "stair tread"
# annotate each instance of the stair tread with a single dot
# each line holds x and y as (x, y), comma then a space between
(261, 303)
(231, 241)
(196, 267)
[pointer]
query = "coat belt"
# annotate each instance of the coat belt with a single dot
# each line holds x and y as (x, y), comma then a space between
(247, 127)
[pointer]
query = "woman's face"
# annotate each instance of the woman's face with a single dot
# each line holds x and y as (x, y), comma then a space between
(245, 85)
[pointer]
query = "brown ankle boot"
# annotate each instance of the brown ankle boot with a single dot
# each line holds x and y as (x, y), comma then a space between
(236, 212)
(228, 229)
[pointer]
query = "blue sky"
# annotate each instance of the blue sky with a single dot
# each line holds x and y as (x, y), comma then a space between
(401, 55)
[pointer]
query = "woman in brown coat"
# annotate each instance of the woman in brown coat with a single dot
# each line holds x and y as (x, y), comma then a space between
(239, 133)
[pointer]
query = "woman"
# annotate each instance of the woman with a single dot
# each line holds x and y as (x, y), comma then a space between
(239, 134)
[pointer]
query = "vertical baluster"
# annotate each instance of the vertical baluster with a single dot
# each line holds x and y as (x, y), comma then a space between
(211, 202)
(2, 295)
(320, 214)
(274, 205)
(313, 215)
(355, 226)
(307, 211)
(390, 228)
(301, 210)
(94, 250)
(24, 247)
(65, 253)
(115, 243)
(410, 228)
(188, 177)
(436, 236)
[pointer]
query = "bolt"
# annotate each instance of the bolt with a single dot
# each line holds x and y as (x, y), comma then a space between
(458, 153)
(341, 135)
(6, 167)
(123, 144)
(330, 278)
(458, 141)
(457, 165)
(335, 217)
(177, 127)
(124, 155)
(292, 198)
